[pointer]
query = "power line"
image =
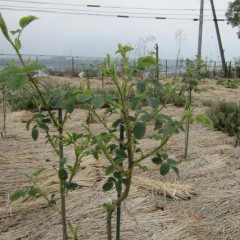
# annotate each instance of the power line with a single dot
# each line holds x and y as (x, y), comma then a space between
(102, 6)
(90, 11)
(99, 14)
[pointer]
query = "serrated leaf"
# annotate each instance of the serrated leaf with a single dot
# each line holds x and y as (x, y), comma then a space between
(35, 133)
(83, 97)
(98, 101)
(71, 186)
(95, 154)
(33, 67)
(23, 22)
(107, 186)
(118, 186)
(135, 102)
(109, 170)
(153, 102)
(171, 162)
(148, 61)
(156, 160)
(18, 44)
(16, 31)
(117, 175)
(62, 174)
(204, 120)
(116, 123)
(43, 126)
(56, 101)
(16, 195)
(120, 153)
(69, 107)
(32, 191)
(3, 27)
(164, 169)
(17, 81)
(139, 130)
(112, 147)
(28, 124)
(111, 179)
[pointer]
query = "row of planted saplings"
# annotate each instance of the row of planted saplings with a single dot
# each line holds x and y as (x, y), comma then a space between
(119, 142)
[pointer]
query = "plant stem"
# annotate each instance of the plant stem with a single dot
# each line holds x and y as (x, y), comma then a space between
(4, 131)
(187, 125)
(118, 227)
(109, 224)
(61, 166)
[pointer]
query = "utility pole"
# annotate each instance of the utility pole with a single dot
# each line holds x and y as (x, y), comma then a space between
(224, 66)
(199, 54)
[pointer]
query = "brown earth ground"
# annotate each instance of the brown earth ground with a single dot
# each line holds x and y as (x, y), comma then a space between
(203, 204)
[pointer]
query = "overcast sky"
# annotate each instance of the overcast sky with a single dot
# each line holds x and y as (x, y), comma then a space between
(93, 36)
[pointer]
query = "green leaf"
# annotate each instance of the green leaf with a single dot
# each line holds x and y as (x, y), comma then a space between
(112, 147)
(111, 179)
(69, 107)
(158, 124)
(33, 67)
(16, 195)
(148, 61)
(125, 182)
(28, 124)
(18, 43)
(118, 186)
(157, 160)
(10, 70)
(141, 86)
(153, 102)
(32, 191)
(175, 169)
(164, 169)
(3, 27)
(35, 133)
(16, 82)
(98, 101)
(71, 186)
(204, 120)
(139, 130)
(117, 175)
(43, 126)
(116, 123)
(23, 22)
(107, 186)
(135, 102)
(171, 162)
(109, 170)
(16, 31)
(56, 101)
(95, 154)
(62, 174)
(120, 153)
(83, 97)
(38, 171)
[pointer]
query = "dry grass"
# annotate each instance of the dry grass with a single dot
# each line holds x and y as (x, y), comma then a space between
(202, 205)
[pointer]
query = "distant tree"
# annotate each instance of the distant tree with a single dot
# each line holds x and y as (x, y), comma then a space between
(233, 14)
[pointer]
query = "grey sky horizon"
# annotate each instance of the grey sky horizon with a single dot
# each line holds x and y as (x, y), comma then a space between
(95, 36)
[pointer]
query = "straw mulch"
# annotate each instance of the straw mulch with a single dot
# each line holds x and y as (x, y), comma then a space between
(203, 204)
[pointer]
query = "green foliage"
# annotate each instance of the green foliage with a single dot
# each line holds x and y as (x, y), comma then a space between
(226, 117)
(125, 154)
(232, 13)
(229, 83)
